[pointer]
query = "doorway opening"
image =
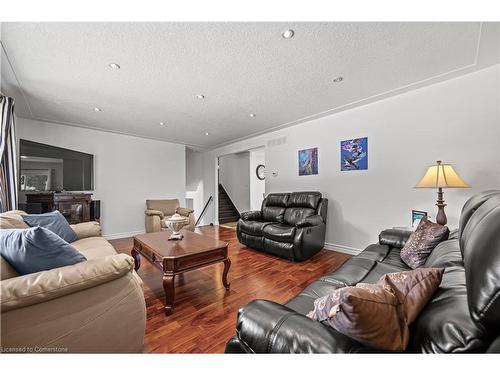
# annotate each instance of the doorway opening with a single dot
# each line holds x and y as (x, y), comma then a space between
(241, 184)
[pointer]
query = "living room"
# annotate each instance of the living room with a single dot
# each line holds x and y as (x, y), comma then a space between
(322, 185)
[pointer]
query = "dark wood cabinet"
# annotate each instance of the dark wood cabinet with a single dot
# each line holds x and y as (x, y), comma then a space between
(75, 207)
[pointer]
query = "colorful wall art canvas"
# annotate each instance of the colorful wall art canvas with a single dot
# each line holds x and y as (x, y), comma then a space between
(354, 154)
(308, 161)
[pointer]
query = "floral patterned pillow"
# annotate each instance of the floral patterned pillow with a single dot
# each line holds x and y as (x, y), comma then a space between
(378, 315)
(421, 243)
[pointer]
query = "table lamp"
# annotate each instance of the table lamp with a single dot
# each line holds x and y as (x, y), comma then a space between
(441, 176)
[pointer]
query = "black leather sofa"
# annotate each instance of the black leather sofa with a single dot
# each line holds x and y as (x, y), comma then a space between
(289, 225)
(462, 317)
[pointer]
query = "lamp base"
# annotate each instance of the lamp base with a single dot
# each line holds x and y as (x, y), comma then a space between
(441, 216)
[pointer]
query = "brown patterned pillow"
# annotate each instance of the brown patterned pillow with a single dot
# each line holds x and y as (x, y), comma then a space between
(379, 315)
(413, 289)
(421, 243)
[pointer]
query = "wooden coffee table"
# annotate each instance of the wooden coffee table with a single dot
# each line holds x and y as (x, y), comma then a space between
(175, 257)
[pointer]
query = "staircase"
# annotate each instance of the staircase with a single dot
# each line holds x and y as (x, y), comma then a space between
(227, 211)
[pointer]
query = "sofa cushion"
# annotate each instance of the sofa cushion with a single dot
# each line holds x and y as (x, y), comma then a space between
(380, 269)
(252, 227)
(53, 221)
(472, 204)
(167, 206)
(94, 247)
(277, 199)
(12, 222)
(445, 325)
(446, 254)
(273, 213)
(273, 207)
(304, 302)
(352, 272)
(306, 199)
(294, 215)
(480, 243)
(6, 270)
(279, 232)
(393, 258)
(36, 249)
(421, 242)
(375, 252)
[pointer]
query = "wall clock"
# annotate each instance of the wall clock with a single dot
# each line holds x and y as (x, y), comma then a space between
(261, 171)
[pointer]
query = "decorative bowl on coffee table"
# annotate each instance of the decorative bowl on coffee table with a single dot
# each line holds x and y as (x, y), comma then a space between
(175, 224)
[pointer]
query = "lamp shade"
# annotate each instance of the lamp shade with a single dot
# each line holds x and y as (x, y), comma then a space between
(441, 176)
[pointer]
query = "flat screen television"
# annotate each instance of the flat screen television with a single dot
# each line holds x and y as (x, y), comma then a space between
(49, 168)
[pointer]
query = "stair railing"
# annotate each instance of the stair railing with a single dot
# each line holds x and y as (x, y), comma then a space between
(210, 199)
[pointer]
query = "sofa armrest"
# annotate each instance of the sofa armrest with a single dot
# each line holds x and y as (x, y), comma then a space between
(184, 211)
(154, 213)
(310, 221)
(87, 229)
(394, 237)
(251, 215)
(43, 286)
(268, 327)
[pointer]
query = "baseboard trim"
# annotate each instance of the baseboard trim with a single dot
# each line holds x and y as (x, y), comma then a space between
(342, 248)
(116, 236)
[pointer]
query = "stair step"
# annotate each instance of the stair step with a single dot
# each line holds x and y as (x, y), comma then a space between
(223, 221)
(228, 214)
(229, 218)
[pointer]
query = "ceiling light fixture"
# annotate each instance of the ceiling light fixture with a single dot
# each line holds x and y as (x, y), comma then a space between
(206, 133)
(162, 123)
(252, 115)
(338, 79)
(200, 96)
(97, 109)
(114, 66)
(288, 34)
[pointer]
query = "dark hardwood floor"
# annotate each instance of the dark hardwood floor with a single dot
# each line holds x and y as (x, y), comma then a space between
(204, 313)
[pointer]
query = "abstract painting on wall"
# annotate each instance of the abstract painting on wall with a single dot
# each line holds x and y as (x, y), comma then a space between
(308, 161)
(354, 154)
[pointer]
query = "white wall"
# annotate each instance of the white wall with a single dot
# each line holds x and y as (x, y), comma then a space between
(257, 186)
(456, 121)
(234, 177)
(194, 180)
(127, 170)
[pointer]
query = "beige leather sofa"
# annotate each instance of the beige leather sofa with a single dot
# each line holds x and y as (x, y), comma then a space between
(157, 210)
(95, 306)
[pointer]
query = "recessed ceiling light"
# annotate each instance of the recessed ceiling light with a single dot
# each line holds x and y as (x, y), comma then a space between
(338, 79)
(97, 109)
(252, 115)
(162, 123)
(114, 66)
(206, 133)
(288, 34)
(200, 96)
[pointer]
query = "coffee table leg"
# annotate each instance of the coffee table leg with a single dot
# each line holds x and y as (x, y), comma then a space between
(227, 264)
(137, 258)
(168, 287)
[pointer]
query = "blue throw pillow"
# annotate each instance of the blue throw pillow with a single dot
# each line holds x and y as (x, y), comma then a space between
(53, 221)
(36, 249)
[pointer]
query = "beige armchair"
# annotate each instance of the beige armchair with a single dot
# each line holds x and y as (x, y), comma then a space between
(74, 308)
(157, 210)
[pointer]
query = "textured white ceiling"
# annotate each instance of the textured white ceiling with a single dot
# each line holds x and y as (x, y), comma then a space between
(60, 72)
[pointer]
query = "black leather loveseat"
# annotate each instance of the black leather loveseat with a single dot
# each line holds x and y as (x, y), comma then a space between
(463, 315)
(289, 225)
